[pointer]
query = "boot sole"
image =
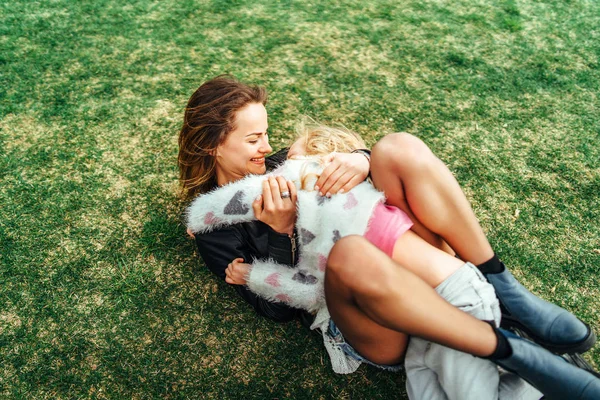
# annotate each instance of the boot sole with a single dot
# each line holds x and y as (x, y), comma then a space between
(579, 347)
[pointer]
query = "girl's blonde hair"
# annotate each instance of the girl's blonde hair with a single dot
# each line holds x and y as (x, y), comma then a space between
(320, 140)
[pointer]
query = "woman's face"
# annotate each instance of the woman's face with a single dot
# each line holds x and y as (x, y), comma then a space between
(244, 149)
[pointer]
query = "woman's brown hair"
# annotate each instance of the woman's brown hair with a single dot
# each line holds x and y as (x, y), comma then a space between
(209, 117)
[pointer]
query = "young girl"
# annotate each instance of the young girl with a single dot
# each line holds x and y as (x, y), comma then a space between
(433, 370)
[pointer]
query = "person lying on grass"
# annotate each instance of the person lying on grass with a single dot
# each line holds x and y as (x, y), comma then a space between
(361, 211)
(374, 302)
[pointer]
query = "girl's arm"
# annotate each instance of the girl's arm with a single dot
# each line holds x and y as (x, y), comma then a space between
(343, 171)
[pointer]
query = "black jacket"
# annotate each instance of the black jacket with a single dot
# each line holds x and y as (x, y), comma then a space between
(249, 240)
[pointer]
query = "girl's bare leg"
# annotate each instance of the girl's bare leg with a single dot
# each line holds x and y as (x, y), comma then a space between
(428, 262)
(417, 182)
(375, 302)
(420, 184)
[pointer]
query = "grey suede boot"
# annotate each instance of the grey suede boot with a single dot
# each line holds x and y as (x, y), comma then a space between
(547, 324)
(549, 373)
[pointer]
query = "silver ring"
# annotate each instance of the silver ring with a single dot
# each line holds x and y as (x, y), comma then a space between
(285, 195)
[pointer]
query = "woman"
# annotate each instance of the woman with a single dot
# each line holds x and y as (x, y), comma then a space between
(224, 138)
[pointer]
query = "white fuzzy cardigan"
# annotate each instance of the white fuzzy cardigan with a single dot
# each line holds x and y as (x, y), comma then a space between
(320, 223)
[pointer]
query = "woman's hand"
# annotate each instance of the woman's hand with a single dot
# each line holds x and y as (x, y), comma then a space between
(236, 272)
(343, 171)
(275, 210)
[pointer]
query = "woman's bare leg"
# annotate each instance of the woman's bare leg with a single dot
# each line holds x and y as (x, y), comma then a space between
(417, 182)
(374, 301)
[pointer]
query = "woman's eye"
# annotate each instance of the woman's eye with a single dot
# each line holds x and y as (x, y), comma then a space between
(253, 141)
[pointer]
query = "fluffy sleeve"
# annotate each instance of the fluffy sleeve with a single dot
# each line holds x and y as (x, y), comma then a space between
(296, 287)
(227, 205)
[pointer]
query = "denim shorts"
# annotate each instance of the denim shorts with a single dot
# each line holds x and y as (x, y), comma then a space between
(340, 342)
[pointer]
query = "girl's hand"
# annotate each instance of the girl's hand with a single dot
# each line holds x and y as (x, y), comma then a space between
(276, 211)
(236, 272)
(342, 173)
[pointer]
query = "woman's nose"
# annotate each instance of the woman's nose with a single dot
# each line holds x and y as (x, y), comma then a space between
(266, 147)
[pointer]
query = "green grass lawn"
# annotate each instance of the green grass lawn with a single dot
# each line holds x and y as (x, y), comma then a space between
(101, 293)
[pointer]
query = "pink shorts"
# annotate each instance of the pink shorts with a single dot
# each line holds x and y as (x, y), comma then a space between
(386, 225)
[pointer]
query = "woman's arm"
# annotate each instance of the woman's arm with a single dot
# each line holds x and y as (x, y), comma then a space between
(343, 172)
(275, 210)
(220, 247)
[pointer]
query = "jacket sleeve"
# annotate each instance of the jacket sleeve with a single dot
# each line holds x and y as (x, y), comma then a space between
(220, 247)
